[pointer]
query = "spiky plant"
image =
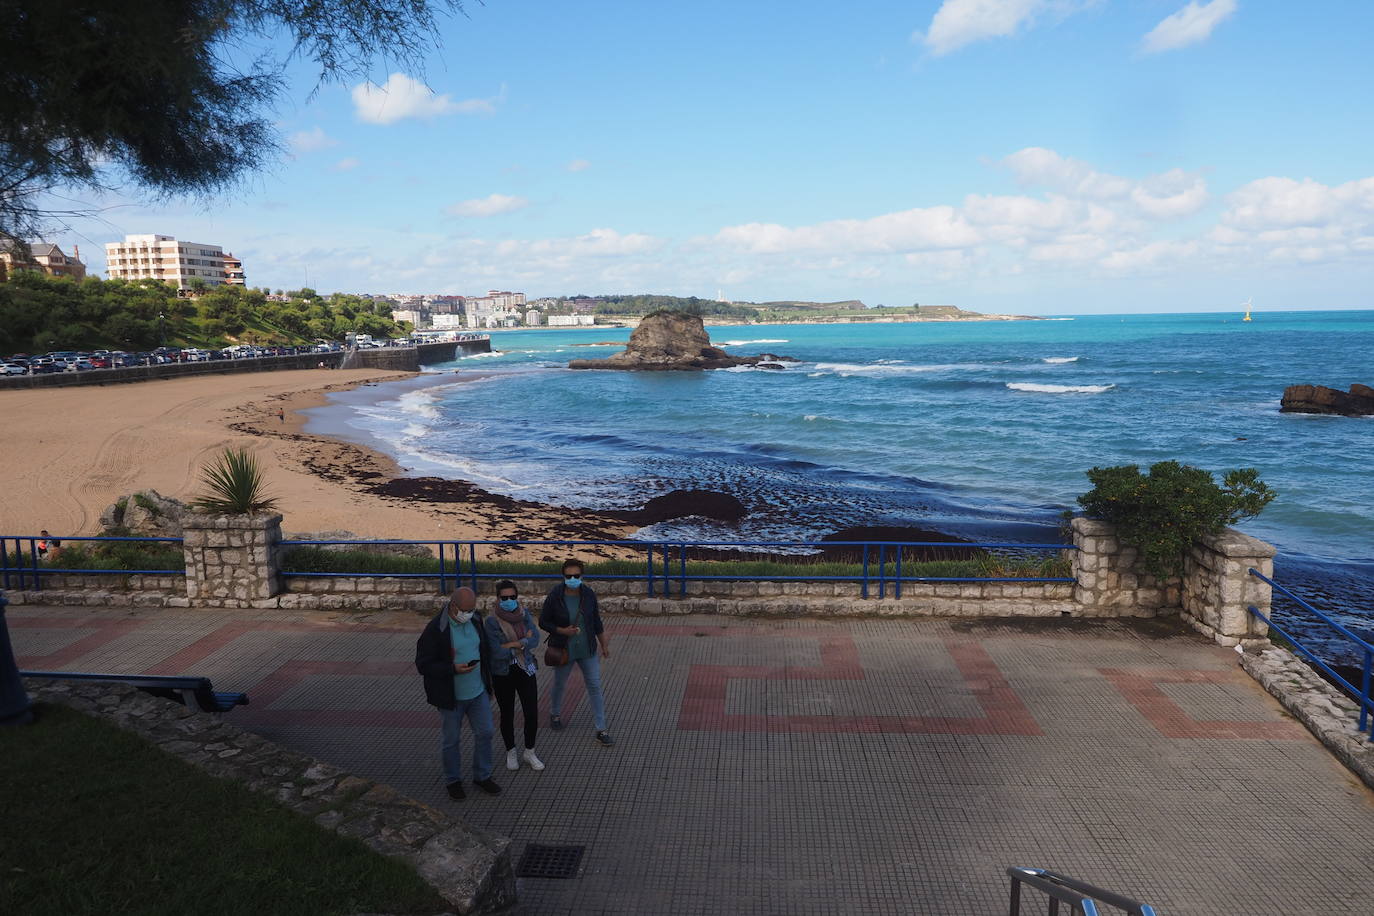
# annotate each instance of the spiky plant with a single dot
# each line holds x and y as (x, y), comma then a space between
(234, 484)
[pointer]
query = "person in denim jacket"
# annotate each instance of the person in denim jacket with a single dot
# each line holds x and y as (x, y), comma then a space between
(513, 637)
(572, 619)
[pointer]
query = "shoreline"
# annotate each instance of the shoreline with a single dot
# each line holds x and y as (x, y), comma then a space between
(73, 451)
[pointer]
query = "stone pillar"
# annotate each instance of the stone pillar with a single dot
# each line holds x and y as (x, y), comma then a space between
(231, 560)
(1218, 589)
(1109, 578)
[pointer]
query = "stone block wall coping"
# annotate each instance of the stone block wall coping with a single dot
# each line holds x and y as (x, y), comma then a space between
(257, 521)
(1232, 543)
(470, 868)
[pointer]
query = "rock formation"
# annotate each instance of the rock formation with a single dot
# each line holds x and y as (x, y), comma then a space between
(1357, 402)
(146, 513)
(683, 503)
(673, 341)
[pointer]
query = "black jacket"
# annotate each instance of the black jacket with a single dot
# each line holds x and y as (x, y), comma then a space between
(434, 659)
(555, 614)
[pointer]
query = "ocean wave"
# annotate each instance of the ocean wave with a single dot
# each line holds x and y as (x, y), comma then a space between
(490, 353)
(741, 343)
(421, 403)
(1059, 389)
(847, 369)
(1060, 359)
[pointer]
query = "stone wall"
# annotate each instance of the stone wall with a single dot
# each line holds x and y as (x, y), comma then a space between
(1218, 589)
(469, 867)
(1109, 575)
(231, 560)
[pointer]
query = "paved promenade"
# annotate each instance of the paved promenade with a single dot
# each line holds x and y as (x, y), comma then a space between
(806, 767)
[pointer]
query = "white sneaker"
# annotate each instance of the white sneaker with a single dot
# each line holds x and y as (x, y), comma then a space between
(534, 762)
(513, 759)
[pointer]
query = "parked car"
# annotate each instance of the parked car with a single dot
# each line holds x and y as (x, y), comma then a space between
(80, 365)
(14, 369)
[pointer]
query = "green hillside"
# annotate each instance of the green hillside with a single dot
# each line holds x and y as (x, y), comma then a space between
(39, 313)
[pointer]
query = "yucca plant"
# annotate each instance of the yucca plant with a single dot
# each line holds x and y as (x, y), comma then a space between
(235, 485)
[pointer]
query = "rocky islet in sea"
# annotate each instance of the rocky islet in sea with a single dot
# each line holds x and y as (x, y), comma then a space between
(675, 341)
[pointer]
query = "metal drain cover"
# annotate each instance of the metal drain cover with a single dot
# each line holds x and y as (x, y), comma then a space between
(550, 861)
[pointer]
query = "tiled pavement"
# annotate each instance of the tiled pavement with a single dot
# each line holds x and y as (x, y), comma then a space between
(799, 767)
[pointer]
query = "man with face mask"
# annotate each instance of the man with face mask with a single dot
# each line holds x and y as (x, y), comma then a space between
(572, 619)
(455, 662)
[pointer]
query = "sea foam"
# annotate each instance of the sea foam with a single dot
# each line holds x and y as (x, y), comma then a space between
(741, 343)
(1060, 359)
(1059, 389)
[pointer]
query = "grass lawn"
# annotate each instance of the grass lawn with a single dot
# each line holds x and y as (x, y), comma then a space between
(317, 559)
(94, 819)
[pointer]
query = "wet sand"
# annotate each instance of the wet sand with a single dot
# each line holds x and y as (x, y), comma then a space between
(69, 453)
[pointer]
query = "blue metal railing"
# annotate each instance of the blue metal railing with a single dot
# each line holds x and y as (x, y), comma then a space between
(1081, 897)
(1360, 693)
(667, 562)
(25, 567)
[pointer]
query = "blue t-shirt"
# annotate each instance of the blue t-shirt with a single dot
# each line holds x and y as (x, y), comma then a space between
(466, 646)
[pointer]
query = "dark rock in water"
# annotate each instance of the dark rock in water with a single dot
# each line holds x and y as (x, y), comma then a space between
(777, 367)
(682, 503)
(872, 533)
(671, 341)
(1357, 402)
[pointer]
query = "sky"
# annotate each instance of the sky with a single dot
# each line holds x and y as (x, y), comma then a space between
(1025, 156)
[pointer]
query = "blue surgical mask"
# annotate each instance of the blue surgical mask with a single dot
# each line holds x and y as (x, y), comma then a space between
(509, 604)
(572, 581)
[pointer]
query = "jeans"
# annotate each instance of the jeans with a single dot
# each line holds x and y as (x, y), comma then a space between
(591, 678)
(478, 713)
(507, 687)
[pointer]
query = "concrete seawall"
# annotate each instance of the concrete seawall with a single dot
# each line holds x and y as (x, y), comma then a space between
(398, 359)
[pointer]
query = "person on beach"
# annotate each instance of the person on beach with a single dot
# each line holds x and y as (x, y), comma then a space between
(47, 545)
(455, 662)
(281, 415)
(573, 621)
(512, 638)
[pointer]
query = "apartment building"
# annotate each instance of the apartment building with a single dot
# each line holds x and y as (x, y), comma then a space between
(493, 309)
(42, 256)
(571, 321)
(162, 257)
(233, 270)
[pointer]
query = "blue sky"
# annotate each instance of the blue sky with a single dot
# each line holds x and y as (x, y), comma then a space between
(1033, 156)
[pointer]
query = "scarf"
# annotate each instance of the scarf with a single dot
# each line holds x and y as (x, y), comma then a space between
(512, 623)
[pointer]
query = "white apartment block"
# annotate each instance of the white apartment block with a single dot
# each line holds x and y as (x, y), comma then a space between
(414, 316)
(532, 317)
(571, 321)
(447, 322)
(162, 257)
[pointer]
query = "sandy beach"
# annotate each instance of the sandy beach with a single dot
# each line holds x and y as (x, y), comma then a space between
(68, 453)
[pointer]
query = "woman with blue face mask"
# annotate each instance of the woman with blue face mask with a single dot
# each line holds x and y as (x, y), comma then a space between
(512, 636)
(572, 619)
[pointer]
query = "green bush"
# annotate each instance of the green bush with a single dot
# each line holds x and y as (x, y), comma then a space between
(113, 555)
(1164, 512)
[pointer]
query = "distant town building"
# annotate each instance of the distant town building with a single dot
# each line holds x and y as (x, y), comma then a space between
(493, 309)
(162, 257)
(42, 256)
(445, 305)
(233, 270)
(571, 321)
(532, 317)
(446, 322)
(414, 316)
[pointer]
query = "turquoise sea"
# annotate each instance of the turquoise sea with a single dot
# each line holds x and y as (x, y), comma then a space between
(981, 429)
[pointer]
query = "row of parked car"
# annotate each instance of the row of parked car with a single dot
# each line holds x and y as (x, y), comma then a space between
(80, 361)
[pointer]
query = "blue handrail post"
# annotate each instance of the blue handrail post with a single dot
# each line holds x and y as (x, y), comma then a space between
(682, 574)
(33, 554)
(443, 581)
(882, 570)
(649, 572)
(5, 562)
(1364, 692)
(898, 586)
(472, 562)
(864, 591)
(667, 571)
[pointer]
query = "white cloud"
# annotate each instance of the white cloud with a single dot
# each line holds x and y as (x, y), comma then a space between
(491, 205)
(403, 97)
(346, 164)
(1169, 195)
(909, 230)
(1190, 25)
(310, 141)
(1152, 255)
(960, 22)
(1283, 202)
(579, 165)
